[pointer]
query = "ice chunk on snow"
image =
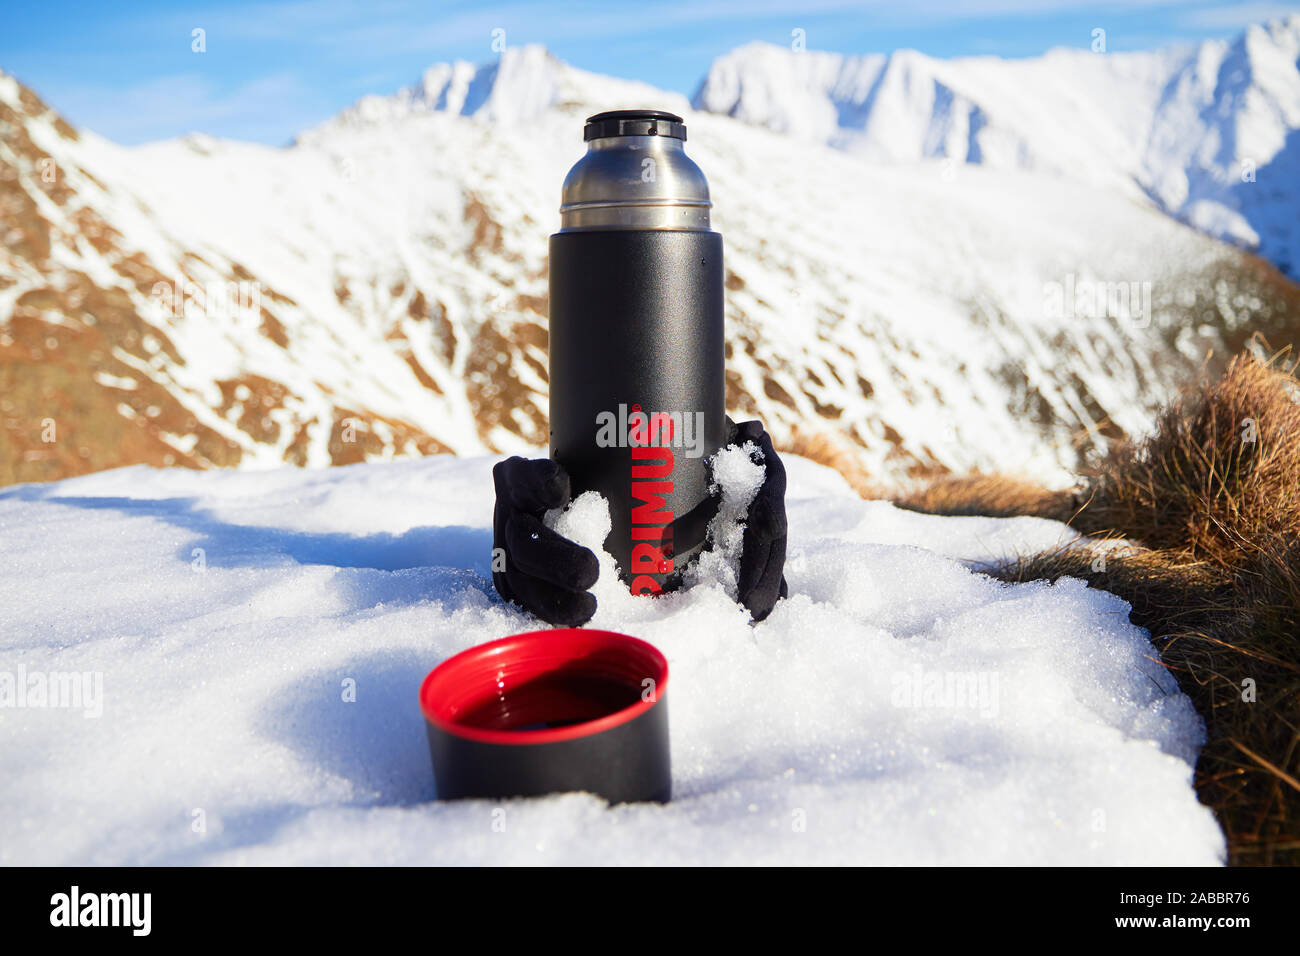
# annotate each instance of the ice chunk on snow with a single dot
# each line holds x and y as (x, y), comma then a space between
(737, 479)
(586, 520)
(261, 637)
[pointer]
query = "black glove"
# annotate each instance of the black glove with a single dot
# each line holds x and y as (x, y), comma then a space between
(762, 554)
(549, 575)
(544, 572)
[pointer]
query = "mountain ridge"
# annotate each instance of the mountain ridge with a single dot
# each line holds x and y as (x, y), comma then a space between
(398, 252)
(1193, 127)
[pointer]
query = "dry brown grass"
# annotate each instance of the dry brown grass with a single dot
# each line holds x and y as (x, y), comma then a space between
(999, 496)
(826, 448)
(1219, 477)
(1212, 499)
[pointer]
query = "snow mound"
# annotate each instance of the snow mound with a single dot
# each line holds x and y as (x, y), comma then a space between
(899, 708)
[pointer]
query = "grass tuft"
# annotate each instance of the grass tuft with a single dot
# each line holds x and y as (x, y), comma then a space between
(833, 451)
(998, 496)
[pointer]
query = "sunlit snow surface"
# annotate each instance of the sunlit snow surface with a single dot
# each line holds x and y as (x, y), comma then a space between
(227, 612)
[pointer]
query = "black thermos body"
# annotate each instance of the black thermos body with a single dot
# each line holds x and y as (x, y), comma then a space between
(637, 384)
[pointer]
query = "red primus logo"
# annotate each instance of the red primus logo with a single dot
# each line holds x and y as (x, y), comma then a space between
(652, 480)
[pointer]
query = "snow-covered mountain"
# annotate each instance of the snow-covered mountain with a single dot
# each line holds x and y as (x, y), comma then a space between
(379, 288)
(1210, 132)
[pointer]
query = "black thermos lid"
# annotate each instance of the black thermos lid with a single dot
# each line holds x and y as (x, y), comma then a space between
(634, 123)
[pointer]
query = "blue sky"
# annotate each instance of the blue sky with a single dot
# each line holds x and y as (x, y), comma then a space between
(127, 70)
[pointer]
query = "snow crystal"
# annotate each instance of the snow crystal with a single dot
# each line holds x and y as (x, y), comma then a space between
(737, 479)
(261, 638)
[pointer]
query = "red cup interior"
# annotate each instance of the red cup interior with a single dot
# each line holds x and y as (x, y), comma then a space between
(544, 686)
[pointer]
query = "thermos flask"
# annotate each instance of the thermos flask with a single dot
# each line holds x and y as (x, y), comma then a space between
(636, 341)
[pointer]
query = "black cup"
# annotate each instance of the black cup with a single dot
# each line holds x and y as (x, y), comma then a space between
(548, 712)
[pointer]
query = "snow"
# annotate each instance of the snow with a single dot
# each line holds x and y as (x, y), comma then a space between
(898, 708)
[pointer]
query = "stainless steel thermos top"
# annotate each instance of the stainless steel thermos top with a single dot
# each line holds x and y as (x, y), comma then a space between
(635, 175)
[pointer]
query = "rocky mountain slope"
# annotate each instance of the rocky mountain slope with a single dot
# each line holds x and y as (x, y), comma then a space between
(379, 289)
